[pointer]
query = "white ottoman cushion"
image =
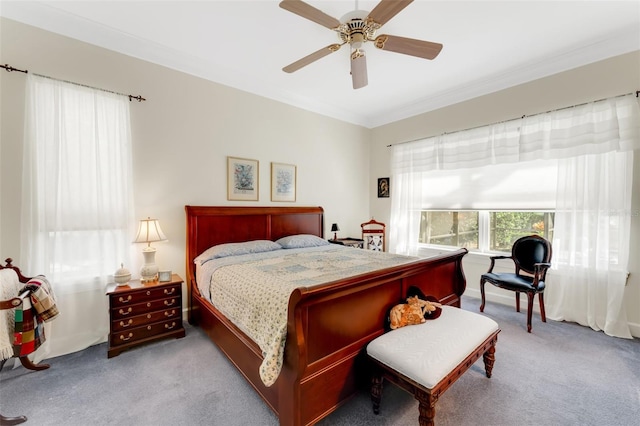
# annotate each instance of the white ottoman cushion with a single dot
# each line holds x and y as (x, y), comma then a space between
(427, 352)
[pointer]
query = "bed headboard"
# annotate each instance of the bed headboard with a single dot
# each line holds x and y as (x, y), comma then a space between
(208, 226)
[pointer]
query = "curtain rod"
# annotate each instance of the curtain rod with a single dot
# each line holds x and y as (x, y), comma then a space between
(9, 68)
(511, 119)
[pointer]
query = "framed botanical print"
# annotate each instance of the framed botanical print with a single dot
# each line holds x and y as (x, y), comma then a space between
(283, 182)
(383, 187)
(242, 179)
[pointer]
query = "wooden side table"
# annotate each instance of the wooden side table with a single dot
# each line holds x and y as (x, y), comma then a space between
(143, 312)
(351, 242)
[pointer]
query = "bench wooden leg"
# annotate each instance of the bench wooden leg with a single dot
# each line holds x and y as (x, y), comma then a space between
(426, 407)
(376, 392)
(489, 358)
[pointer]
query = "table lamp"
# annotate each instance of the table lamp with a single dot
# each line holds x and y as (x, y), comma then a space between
(148, 232)
(335, 229)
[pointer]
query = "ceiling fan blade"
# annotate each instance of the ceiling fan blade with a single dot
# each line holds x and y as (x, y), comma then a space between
(387, 9)
(311, 58)
(408, 46)
(359, 69)
(309, 12)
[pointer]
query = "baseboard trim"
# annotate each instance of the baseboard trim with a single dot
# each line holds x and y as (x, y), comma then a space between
(509, 300)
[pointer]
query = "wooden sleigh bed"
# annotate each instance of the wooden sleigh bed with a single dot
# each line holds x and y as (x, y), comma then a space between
(328, 326)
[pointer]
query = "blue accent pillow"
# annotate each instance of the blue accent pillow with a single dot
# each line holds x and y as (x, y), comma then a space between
(236, 249)
(302, 241)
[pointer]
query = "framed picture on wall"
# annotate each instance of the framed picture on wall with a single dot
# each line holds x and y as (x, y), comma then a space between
(242, 179)
(383, 187)
(283, 182)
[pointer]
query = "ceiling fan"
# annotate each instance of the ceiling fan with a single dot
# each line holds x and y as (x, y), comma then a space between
(357, 28)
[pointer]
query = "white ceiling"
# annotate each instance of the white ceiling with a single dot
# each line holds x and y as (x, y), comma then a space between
(488, 46)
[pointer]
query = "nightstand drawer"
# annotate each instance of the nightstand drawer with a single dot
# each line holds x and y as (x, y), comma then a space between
(141, 308)
(133, 297)
(139, 333)
(138, 320)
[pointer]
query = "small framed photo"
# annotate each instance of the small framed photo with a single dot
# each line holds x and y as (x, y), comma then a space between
(383, 187)
(283, 182)
(242, 179)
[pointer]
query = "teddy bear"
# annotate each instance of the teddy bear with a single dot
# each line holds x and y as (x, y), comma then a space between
(412, 312)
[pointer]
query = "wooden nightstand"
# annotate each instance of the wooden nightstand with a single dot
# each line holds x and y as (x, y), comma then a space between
(143, 312)
(351, 242)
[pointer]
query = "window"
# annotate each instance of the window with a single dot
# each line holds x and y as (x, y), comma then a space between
(484, 231)
(450, 228)
(77, 182)
(77, 213)
(576, 162)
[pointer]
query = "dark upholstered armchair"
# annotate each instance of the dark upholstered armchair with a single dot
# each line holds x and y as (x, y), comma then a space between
(532, 255)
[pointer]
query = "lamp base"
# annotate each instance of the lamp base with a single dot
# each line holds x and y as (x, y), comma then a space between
(149, 270)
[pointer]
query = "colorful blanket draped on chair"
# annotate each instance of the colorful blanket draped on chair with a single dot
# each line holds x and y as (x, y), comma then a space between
(38, 306)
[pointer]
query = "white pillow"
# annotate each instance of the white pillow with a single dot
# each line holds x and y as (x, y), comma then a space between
(236, 249)
(301, 241)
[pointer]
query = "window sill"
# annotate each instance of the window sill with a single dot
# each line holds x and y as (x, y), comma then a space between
(474, 256)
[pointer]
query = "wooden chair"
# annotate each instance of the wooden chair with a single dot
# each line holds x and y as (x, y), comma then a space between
(373, 234)
(531, 254)
(6, 308)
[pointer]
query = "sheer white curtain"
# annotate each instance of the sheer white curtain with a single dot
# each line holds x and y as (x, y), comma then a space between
(600, 135)
(591, 242)
(77, 203)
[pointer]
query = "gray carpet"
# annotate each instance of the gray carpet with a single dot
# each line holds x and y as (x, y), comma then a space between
(561, 374)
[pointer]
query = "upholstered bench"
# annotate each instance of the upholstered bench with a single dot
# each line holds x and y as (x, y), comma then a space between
(426, 359)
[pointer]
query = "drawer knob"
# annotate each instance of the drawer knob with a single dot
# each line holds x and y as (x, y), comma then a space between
(122, 337)
(170, 314)
(168, 292)
(122, 300)
(123, 312)
(148, 327)
(148, 305)
(148, 293)
(169, 327)
(127, 324)
(148, 316)
(169, 302)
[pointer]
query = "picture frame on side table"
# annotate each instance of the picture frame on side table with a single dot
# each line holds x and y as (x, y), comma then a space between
(242, 179)
(383, 187)
(283, 182)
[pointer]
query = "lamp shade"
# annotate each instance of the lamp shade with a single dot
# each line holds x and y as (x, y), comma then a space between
(149, 231)
(335, 227)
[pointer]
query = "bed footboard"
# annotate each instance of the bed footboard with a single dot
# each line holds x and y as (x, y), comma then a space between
(329, 326)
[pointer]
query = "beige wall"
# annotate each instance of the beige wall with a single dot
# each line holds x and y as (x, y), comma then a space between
(600, 80)
(182, 135)
(188, 126)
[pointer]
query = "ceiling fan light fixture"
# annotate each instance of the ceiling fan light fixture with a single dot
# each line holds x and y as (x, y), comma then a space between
(357, 39)
(356, 28)
(359, 69)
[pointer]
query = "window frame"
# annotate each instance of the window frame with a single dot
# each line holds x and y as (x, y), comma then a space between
(484, 229)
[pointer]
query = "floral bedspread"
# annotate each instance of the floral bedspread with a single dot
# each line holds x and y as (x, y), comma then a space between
(253, 290)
